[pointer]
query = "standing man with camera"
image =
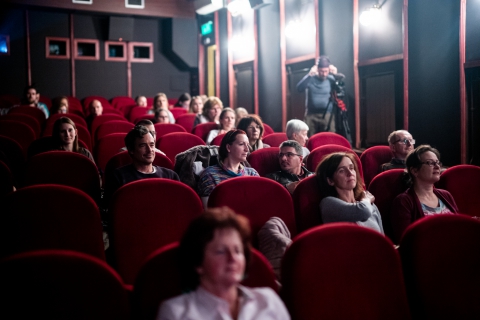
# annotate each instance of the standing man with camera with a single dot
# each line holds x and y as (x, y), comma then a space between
(321, 99)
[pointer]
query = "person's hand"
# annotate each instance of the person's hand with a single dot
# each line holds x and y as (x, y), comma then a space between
(369, 196)
(333, 69)
(291, 186)
(313, 71)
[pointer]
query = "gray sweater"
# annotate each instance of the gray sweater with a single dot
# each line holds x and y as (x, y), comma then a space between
(363, 213)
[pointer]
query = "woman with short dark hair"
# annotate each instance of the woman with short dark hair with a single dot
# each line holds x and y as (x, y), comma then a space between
(253, 126)
(213, 256)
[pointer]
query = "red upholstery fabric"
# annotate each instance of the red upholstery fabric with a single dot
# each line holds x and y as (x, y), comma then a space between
(217, 140)
(176, 112)
(121, 102)
(78, 120)
(267, 130)
(306, 202)
(318, 153)
(40, 145)
(163, 128)
(176, 142)
(202, 129)
(34, 112)
(441, 260)
(65, 168)
(462, 181)
(275, 139)
(150, 117)
(6, 179)
(159, 279)
(18, 131)
(46, 100)
(50, 217)
(323, 138)
(136, 112)
(186, 121)
(113, 126)
(107, 147)
(372, 158)
(99, 120)
(26, 119)
(140, 227)
(265, 160)
(57, 284)
(385, 187)
(9, 99)
(257, 198)
(103, 101)
(343, 271)
(12, 154)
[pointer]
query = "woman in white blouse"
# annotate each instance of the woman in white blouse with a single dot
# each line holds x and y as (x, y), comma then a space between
(227, 123)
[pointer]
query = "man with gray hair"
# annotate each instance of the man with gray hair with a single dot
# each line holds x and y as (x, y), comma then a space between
(298, 130)
(292, 171)
(401, 143)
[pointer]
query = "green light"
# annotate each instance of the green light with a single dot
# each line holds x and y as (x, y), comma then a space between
(207, 28)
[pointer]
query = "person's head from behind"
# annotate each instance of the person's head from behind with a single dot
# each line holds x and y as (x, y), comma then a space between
(253, 126)
(141, 101)
(96, 108)
(161, 116)
(60, 105)
(401, 143)
(290, 156)
(423, 165)
(160, 101)
(212, 108)
(338, 172)
(240, 113)
(227, 119)
(297, 130)
(215, 250)
(234, 146)
(149, 125)
(184, 100)
(31, 95)
(140, 146)
(65, 134)
(196, 105)
(323, 67)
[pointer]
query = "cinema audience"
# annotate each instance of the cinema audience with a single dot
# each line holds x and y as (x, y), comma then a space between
(160, 101)
(401, 143)
(65, 137)
(298, 130)
(59, 105)
(253, 126)
(227, 123)
(196, 105)
(211, 111)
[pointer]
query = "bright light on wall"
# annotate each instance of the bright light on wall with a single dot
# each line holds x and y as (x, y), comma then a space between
(299, 29)
(241, 44)
(237, 7)
(372, 16)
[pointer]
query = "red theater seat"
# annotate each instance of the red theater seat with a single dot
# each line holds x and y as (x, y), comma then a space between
(372, 158)
(265, 160)
(202, 129)
(26, 119)
(136, 112)
(186, 121)
(177, 142)
(306, 202)
(113, 126)
(176, 112)
(18, 131)
(78, 120)
(267, 130)
(163, 128)
(317, 154)
(323, 138)
(31, 111)
(107, 147)
(275, 139)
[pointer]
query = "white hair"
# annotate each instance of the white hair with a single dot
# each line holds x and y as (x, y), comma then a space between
(295, 126)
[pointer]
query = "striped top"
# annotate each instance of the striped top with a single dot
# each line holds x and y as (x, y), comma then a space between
(213, 175)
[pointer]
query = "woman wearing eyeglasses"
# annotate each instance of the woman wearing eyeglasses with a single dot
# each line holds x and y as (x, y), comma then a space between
(253, 126)
(422, 198)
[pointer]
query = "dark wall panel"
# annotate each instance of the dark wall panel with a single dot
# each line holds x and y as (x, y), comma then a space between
(51, 76)
(434, 104)
(473, 31)
(269, 67)
(13, 68)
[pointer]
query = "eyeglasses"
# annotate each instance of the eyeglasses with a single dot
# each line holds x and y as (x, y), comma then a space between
(253, 128)
(432, 163)
(289, 155)
(405, 141)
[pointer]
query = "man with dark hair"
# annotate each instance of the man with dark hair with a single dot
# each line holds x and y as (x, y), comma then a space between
(141, 147)
(291, 159)
(31, 98)
(150, 127)
(320, 84)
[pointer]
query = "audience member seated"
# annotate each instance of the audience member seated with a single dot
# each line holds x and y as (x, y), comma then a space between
(161, 116)
(346, 200)
(96, 109)
(196, 105)
(211, 111)
(141, 101)
(183, 101)
(253, 126)
(401, 143)
(240, 113)
(151, 128)
(141, 147)
(59, 105)
(65, 137)
(298, 130)
(214, 255)
(291, 159)
(32, 96)
(160, 101)
(422, 198)
(227, 123)
(232, 152)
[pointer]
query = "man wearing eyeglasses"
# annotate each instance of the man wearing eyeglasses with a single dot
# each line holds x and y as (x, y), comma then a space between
(290, 159)
(401, 143)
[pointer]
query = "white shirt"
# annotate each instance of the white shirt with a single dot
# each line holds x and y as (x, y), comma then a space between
(212, 135)
(255, 303)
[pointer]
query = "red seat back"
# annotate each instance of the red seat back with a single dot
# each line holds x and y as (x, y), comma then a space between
(217, 140)
(163, 128)
(46, 100)
(441, 260)
(58, 284)
(316, 156)
(26, 119)
(103, 101)
(12, 154)
(186, 121)
(201, 130)
(306, 202)
(150, 117)
(78, 120)
(177, 142)
(372, 158)
(113, 126)
(107, 147)
(18, 131)
(462, 182)
(265, 160)
(99, 120)
(50, 217)
(120, 103)
(136, 112)
(10, 99)
(267, 130)
(323, 138)
(31, 111)
(139, 228)
(176, 112)
(7, 181)
(275, 139)
(327, 273)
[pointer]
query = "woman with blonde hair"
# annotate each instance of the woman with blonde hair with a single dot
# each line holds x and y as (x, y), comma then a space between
(211, 111)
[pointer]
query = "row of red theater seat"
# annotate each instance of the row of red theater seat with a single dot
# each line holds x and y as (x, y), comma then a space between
(336, 271)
